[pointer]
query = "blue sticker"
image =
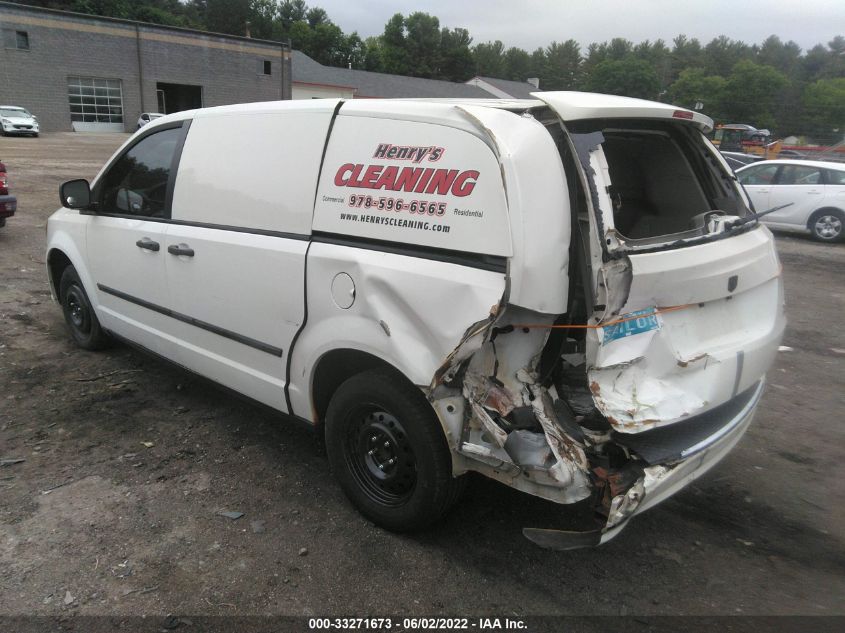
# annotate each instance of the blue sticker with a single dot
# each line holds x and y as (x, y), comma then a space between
(639, 322)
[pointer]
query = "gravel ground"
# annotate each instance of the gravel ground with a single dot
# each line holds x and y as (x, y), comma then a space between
(129, 461)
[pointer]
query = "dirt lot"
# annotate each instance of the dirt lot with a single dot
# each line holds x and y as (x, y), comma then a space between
(129, 461)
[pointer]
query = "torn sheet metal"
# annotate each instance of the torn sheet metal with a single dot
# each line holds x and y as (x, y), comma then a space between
(633, 399)
(511, 423)
(571, 463)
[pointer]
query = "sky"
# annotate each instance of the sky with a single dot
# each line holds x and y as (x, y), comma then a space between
(529, 24)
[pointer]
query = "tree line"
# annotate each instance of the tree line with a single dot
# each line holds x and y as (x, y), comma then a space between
(772, 85)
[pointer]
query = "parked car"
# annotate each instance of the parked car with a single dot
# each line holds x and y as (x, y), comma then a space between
(815, 191)
(8, 203)
(583, 313)
(733, 163)
(740, 157)
(16, 120)
(146, 117)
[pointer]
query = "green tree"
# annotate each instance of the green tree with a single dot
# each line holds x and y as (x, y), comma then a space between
(824, 106)
(722, 53)
(752, 94)
(596, 54)
(694, 86)
(110, 8)
(316, 17)
(422, 43)
(562, 70)
(619, 48)
(264, 20)
(394, 49)
(686, 53)
(299, 34)
(629, 77)
(538, 65)
(373, 54)
(517, 64)
(291, 11)
(227, 16)
(327, 45)
(490, 59)
(456, 61)
(786, 57)
(355, 50)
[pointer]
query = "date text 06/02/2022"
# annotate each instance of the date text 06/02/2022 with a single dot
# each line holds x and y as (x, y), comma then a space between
(418, 624)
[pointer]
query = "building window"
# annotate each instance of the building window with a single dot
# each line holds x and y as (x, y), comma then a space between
(16, 39)
(95, 100)
(268, 68)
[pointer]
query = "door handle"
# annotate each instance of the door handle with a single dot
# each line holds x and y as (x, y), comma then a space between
(147, 243)
(180, 249)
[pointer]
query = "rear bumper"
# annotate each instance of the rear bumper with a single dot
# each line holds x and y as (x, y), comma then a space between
(8, 206)
(660, 481)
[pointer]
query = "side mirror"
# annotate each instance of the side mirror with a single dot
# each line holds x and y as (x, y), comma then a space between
(75, 194)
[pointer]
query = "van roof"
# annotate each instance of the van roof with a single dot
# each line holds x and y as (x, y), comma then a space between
(570, 106)
(576, 106)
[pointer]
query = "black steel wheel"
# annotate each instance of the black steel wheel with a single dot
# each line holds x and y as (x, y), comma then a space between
(379, 455)
(388, 451)
(79, 315)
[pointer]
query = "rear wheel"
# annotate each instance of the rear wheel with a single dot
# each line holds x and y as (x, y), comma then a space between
(388, 452)
(827, 225)
(79, 315)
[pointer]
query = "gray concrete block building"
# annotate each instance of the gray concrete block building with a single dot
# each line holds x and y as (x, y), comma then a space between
(86, 73)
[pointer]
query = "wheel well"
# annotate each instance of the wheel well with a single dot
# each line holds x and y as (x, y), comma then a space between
(334, 368)
(57, 261)
(818, 212)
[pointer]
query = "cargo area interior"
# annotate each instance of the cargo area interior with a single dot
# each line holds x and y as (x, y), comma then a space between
(664, 180)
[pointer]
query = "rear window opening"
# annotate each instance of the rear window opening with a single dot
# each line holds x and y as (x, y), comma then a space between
(665, 181)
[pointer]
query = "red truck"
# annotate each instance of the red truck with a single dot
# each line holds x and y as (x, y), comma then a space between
(8, 203)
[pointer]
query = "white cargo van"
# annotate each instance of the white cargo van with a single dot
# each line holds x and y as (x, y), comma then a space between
(568, 294)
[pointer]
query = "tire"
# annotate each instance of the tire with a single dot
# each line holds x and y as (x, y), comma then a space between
(79, 315)
(373, 418)
(826, 225)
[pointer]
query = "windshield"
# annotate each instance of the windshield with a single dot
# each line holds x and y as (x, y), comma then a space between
(14, 112)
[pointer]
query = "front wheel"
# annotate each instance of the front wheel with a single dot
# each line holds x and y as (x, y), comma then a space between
(827, 225)
(388, 452)
(79, 315)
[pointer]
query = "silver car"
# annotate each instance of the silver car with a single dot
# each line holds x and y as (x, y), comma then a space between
(814, 191)
(17, 120)
(146, 117)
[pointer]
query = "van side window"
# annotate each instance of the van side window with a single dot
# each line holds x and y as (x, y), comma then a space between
(137, 183)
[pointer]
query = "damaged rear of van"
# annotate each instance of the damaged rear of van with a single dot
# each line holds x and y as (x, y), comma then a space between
(616, 302)
(568, 294)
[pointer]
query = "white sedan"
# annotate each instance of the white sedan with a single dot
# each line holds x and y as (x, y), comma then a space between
(17, 120)
(815, 189)
(146, 117)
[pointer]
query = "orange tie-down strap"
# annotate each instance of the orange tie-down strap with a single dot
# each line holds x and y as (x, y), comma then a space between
(585, 326)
